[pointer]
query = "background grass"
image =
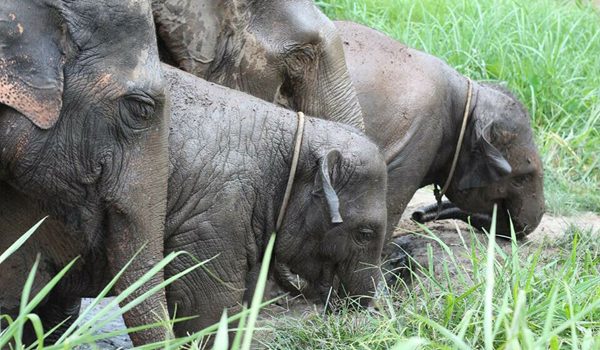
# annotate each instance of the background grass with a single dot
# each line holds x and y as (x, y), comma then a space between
(547, 52)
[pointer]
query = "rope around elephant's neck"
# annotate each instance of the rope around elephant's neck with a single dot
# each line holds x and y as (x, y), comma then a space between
(290, 183)
(436, 191)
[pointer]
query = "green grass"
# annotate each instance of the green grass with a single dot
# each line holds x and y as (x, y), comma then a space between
(87, 331)
(518, 297)
(545, 50)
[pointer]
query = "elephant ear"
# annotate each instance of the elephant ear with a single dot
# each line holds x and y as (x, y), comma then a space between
(486, 163)
(31, 60)
(323, 184)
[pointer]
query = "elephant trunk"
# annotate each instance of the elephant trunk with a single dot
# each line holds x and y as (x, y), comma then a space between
(135, 219)
(330, 94)
(358, 282)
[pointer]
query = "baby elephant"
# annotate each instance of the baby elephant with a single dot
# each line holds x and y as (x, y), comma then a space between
(230, 162)
(414, 107)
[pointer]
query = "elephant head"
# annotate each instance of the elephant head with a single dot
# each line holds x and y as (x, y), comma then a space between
(283, 51)
(336, 224)
(500, 164)
(83, 123)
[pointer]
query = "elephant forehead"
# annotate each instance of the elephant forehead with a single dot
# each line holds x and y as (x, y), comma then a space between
(255, 54)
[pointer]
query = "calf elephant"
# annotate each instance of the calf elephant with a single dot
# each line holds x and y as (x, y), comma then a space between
(83, 123)
(414, 105)
(283, 51)
(230, 162)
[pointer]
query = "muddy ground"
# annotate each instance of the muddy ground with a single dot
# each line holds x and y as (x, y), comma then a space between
(449, 231)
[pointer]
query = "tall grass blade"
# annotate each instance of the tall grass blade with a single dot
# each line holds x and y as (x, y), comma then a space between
(19, 242)
(489, 286)
(258, 294)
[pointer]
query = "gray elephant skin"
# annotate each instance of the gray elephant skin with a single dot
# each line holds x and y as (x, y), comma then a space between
(230, 156)
(413, 105)
(83, 124)
(230, 161)
(283, 51)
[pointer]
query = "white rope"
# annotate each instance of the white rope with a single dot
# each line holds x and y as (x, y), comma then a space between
(439, 194)
(290, 183)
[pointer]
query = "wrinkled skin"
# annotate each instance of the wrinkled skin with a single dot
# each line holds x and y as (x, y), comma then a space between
(413, 106)
(282, 51)
(83, 125)
(230, 159)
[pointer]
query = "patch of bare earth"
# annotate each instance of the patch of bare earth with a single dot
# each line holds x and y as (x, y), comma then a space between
(456, 235)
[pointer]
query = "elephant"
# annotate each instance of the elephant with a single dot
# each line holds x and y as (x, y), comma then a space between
(414, 106)
(83, 123)
(283, 51)
(230, 156)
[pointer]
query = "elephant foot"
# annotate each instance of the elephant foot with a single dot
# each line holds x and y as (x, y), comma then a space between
(396, 263)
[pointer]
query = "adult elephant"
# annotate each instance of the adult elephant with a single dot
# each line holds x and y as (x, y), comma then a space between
(414, 108)
(83, 125)
(283, 51)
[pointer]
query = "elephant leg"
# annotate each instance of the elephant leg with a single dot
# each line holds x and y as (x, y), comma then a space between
(395, 254)
(205, 292)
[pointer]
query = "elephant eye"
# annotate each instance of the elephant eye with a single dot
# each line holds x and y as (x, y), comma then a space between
(365, 235)
(138, 112)
(140, 106)
(519, 181)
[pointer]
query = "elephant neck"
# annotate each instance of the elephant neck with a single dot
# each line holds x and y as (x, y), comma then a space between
(440, 171)
(276, 160)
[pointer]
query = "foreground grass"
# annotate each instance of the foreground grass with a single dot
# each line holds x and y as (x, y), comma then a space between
(87, 328)
(545, 50)
(515, 298)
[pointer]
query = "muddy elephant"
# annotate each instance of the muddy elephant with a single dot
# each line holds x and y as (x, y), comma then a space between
(414, 106)
(230, 163)
(283, 51)
(83, 123)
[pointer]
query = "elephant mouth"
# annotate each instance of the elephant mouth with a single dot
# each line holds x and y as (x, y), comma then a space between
(321, 290)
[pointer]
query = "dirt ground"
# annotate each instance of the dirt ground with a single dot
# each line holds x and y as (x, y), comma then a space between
(449, 231)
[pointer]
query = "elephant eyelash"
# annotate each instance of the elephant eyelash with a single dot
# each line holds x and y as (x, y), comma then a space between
(136, 113)
(364, 235)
